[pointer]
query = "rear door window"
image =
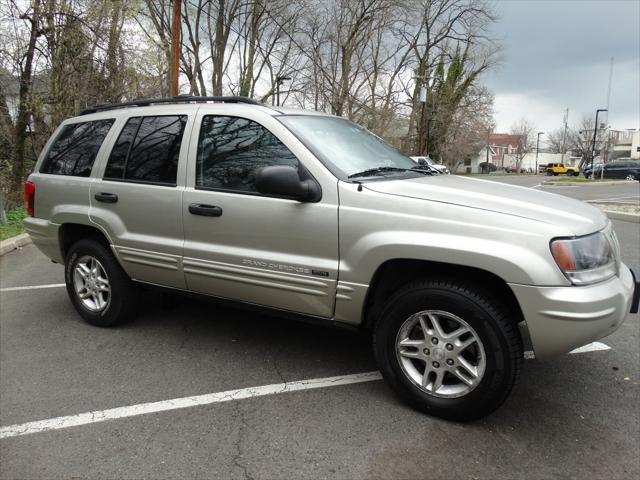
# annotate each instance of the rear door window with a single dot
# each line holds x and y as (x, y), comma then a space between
(147, 150)
(75, 148)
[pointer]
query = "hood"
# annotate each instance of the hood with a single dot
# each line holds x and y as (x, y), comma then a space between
(576, 217)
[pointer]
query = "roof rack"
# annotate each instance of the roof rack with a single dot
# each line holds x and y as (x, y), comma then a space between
(177, 99)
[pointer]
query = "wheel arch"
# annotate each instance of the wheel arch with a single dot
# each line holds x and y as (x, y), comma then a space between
(395, 273)
(70, 233)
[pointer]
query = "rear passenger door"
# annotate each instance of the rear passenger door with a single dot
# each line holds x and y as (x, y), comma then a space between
(137, 200)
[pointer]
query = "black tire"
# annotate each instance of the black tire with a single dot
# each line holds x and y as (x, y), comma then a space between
(123, 294)
(493, 323)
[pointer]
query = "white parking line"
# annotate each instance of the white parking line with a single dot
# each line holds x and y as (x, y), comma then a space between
(185, 402)
(591, 347)
(32, 287)
(98, 416)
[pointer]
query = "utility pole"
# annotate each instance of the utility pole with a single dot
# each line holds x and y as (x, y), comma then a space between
(593, 147)
(422, 124)
(175, 47)
(564, 134)
(488, 144)
(279, 81)
(537, 149)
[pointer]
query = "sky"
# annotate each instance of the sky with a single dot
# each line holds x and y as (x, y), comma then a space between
(557, 56)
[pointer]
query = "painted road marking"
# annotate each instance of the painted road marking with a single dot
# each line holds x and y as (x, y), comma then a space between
(32, 287)
(591, 347)
(99, 416)
(185, 402)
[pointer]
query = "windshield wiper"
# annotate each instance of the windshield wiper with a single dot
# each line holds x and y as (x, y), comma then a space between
(426, 168)
(373, 171)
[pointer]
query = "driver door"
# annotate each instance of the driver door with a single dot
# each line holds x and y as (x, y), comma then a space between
(249, 247)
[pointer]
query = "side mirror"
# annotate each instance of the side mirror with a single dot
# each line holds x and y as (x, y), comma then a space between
(284, 181)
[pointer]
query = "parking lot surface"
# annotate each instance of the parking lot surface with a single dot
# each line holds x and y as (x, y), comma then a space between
(574, 417)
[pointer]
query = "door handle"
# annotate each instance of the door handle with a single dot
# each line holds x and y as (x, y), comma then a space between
(205, 210)
(106, 197)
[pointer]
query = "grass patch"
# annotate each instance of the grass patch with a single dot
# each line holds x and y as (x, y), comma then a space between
(14, 224)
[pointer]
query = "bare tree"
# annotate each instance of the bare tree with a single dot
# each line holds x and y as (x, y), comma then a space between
(524, 129)
(30, 19)
(557, 142)
(580, 140)
(445, 26)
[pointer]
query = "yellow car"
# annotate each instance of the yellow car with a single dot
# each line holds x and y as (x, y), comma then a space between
(559, 168)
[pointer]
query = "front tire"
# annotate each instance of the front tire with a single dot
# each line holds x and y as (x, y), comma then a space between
(631, 177)
(99, 289)
(448, 348)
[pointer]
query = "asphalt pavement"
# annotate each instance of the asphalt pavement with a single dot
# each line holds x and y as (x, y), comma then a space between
(573, 417)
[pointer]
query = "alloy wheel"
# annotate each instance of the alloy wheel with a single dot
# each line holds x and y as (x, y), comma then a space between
(440, 353)
(91, 284)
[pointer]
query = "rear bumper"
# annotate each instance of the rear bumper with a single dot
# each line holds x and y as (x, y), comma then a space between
(560, 319)
(44, 235)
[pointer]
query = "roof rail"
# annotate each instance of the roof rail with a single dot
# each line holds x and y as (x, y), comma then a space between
(178, 99)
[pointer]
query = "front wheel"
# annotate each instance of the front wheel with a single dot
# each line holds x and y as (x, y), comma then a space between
(99, 289)
(448, 348)
(630, 177)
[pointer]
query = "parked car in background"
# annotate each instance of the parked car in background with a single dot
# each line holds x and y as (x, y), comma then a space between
(515, 170)
(588, 168)
(429, 161)
(622, 169)
(556, 169)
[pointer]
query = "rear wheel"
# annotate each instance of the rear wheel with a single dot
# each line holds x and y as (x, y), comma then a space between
(99, 289)
(631, 176)
(448, 349)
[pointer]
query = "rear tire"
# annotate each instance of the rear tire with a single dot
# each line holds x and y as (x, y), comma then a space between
(631, 177)
(98, 287)
(495, 351)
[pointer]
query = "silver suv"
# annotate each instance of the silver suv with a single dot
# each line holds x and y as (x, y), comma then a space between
(310, 214)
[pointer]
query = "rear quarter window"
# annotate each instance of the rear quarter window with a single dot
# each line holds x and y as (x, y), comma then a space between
(75, 148)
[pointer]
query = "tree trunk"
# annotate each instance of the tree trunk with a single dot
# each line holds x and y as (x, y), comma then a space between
(22, 120)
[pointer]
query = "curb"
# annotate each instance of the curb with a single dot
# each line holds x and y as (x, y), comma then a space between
(13, 243)
(575, 184)
(625, 217)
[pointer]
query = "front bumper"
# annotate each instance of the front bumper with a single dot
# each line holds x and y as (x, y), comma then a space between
(560, 319)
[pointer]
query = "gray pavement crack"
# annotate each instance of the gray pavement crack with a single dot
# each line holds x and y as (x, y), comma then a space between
(243, 428)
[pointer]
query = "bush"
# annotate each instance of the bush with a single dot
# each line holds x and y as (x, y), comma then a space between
(14, 225)
(487, 167)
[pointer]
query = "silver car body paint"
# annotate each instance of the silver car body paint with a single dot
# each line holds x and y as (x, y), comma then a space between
(320, 258)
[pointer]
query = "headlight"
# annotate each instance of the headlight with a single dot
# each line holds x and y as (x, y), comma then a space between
(585, 260)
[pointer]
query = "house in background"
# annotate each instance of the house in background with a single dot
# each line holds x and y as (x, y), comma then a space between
(502, 147)
(623, 145)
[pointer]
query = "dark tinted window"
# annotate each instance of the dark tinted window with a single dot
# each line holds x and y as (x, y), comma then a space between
(147, 150)
(75, 148)
(232, 150)
(118, 157)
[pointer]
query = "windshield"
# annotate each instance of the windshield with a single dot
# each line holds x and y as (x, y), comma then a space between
(351, 149)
